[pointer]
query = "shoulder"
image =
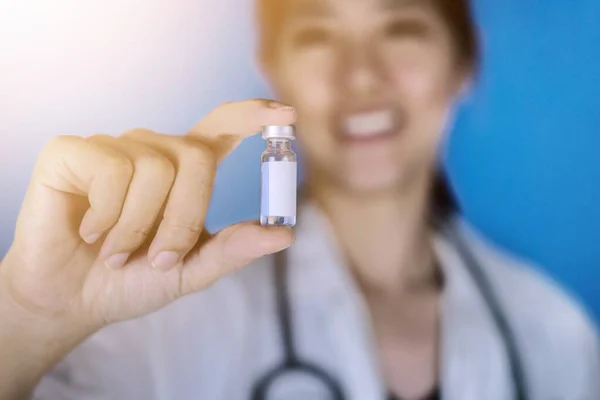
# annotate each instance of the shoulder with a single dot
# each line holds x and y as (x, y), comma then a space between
(556, 332)
(534, 294)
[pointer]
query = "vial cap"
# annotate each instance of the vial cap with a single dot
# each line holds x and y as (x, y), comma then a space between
(279, 132)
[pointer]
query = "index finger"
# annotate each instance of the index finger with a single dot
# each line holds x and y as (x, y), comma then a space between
(227, 125)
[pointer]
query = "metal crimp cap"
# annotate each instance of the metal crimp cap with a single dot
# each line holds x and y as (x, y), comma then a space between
(279, 131)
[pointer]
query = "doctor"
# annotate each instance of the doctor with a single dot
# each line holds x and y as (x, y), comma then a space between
(112, 290)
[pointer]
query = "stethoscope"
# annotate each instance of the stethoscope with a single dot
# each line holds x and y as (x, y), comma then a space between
(278, 382)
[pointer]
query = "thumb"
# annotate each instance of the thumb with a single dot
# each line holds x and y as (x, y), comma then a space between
(231, 249)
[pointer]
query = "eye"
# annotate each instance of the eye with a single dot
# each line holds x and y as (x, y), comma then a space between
(310, 37)
(406, 29)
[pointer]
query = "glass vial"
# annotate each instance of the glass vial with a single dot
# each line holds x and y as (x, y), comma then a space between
(279, 176)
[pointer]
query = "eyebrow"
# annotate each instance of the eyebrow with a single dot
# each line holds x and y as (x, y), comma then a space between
(310, 8)
(319, 8)
(391, 5)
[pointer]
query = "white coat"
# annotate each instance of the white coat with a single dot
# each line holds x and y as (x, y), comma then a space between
(215, 344)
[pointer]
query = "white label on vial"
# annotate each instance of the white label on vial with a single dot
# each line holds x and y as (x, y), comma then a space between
(278, 197)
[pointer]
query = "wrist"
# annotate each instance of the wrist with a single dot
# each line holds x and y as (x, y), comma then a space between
(38, 334)
(30, 344)
(29, 347)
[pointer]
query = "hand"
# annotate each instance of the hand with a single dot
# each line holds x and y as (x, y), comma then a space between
(112, 228)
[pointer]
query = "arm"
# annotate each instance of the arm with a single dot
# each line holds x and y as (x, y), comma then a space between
(111, 229)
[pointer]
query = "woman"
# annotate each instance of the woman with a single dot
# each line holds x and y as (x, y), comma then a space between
(387, 291)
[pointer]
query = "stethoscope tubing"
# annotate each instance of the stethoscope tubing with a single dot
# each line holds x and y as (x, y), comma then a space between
(292, 362)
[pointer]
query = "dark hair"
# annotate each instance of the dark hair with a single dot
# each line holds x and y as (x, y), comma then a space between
(458, 16)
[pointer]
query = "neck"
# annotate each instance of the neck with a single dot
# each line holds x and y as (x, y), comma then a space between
(385, 238)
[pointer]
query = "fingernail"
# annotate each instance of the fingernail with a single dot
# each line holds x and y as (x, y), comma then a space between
(281, 248)
(91, 239)
(165, 261)
(277, 251)
(280, 106)
(117, 261)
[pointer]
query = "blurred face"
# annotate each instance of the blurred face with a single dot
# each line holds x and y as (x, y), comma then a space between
(373, 83)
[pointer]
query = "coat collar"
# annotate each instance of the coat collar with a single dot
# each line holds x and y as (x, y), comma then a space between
(474, 363)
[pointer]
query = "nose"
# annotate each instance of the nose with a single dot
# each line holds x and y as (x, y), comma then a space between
(360, 72)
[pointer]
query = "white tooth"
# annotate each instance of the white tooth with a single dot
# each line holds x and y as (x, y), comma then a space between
(369, 123)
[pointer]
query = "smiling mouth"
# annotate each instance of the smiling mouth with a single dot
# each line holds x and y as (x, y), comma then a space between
(368, 126)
